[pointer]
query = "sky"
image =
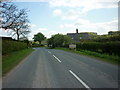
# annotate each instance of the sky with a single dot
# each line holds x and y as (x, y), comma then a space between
(64, 16)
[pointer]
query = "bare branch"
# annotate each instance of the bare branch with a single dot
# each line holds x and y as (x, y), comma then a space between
(14, 19)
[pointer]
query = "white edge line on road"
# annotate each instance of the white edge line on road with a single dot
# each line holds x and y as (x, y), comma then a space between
(83, 83)
(56, 58)
(49, 52)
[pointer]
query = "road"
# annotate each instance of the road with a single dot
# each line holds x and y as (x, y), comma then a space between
(50, 68)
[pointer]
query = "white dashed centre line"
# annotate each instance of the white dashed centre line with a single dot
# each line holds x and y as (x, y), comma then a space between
(83, 83)
(49, 52)
(57, 58)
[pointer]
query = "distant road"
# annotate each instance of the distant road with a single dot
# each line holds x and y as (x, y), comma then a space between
(50, 68)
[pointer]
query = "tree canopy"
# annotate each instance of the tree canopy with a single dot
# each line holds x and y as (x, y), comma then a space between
(59, 40)
(39, 37)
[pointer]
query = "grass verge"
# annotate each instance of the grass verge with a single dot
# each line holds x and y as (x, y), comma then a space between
(11, 60)
(104, 57)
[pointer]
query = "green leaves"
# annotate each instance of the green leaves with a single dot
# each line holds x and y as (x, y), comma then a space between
(59, 40)
(11, 46)
(39, 37)
(101, 47)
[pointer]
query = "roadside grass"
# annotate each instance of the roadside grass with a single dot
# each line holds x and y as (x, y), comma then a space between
(104, 57)
(11, 60)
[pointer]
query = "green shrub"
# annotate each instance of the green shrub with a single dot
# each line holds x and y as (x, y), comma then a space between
(9, 46)
(101, 47)
(107, 38)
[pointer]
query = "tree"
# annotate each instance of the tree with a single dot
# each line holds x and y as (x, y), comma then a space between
(8, 15)
(14, 20)
(67, 40)
(39, 37)
(21, 27)
(59, 40)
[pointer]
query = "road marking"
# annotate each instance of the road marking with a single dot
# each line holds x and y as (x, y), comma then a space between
(83, 83)
(49, 52)
(57, 58)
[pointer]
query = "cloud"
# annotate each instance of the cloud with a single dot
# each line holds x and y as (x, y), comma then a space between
(32, 25)
(44, 31)
(75, 9)
(81, 21)
(87, 26)
(30, 0)
(87, 4)
(67, 26)
(104, 27)
(4, 33)
(71, 14)
(38, 30)
(57, 12)
(78, 8)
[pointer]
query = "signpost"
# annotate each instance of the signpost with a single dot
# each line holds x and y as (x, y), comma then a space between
(72, 46)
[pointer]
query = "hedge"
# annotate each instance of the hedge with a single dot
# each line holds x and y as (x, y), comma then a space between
(101, 47)
(106, 38)
(9, 46)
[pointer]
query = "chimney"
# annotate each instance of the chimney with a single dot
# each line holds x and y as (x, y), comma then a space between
(76, 30)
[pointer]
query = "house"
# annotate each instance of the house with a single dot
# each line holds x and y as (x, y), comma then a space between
(81, 36)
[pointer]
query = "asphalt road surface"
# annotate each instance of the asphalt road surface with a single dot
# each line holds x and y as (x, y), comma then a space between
(50, 68)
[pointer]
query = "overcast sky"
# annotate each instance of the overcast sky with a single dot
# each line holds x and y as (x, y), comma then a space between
(64, 16)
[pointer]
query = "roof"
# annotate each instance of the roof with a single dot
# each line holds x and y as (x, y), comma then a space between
(84, 35)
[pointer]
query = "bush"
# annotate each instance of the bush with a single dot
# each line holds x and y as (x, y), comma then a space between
(107, 38)
(101, 47)
(9, 46)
